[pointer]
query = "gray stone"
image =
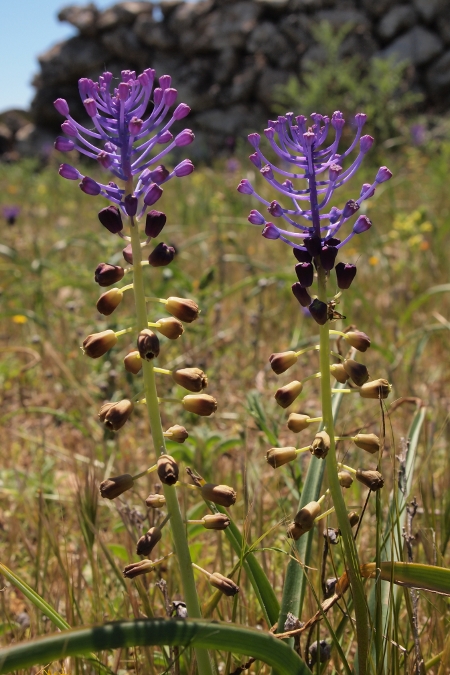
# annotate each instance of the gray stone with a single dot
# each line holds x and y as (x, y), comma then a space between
(273, 4)
(297, 28)
(310, 5)
(418, 46)
(429, 9)
(377, 8)
(153, 34)
(266, 39)
(268, 82)
(232, 121)
(228, 63)
(122, 42)
(340, 17)
(84, 18)
(396, 20)
(168, 6)
(438, 75)
(123, 14)
(70, 60)
(242, 86)
(443, 26)
(185, 15)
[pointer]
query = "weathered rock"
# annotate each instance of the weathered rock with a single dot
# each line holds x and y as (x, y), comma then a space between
(396, 20)
(444, 26)
(340, 17)
(154, 34)
(297, 28)
(378, 8)
(70, 60)
(123, 14)
(266, 39)
(83, 18)
(418, 46)
(242, 86)
(430, 9)
(269, 80)
(6, 139)
(123, 43)
(438, 76)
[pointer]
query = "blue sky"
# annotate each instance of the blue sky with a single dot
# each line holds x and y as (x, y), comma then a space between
(29, 28)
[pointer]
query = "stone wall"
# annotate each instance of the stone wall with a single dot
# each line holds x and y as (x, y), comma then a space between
(226, 56)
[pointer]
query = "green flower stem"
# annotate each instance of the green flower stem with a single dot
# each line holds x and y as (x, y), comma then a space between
(173, 507)
(361, 612)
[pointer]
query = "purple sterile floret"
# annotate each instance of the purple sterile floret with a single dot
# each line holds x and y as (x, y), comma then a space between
(362, 225)
(10, 213)
(69, 172)
(184, 168)
(64, 144)
(256, 218)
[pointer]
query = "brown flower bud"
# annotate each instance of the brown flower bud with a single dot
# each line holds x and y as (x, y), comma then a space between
(114, 415)
(170, 327)
(375, 389)
(148, 344)
(128, 254)
(135, 569)
(113, 487)
(357, 372)
(107, 302)
(167, 470)
(286, 395)
(216, 521)
(200, 404)
(370, 478)
(192, 379)
(107, 275)
(185, 310)
(345, 479)
(224, 584)
(148, 541)
(223, 495)
(338, 371)
(177, 433)
(278, 456)
(368, 442)
(304, 520)
(161, 255)
(133, 362)
(297, 423)
(155, 501)
(353, 518)
(97, 344)
(358, 340)
(282, 361)
(320, 445)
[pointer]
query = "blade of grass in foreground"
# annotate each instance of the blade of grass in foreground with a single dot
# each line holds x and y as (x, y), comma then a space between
(414, 575)
(146, 632)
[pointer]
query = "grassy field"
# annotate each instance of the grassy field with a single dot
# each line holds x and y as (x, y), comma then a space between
(68, 544)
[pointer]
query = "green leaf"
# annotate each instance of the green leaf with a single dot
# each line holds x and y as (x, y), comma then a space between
(417, 575)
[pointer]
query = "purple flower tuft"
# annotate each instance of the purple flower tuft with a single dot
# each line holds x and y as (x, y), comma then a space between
(270, 231)
(383, 175)
(90, 186)
(244, 187)
(152, 195)
(69, 172)
(62, 107)
(362, 225)
(256, 218)
(184, 168)
(184, 138)
(64, 144)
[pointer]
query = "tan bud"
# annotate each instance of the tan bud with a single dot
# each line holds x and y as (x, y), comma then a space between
(148, 344)
(297, 423)
(106, 274)
(368, 442)
(358, 340)
(320, 445)
(223, 495)
(278, 456)
(107, 302)
(345, 479)
(282, 361)
(338, 372)
(148, 541)
(98, 344)
(177, 433)
(357, 372)
(167, 470)
(224, 584)
(353, 518)
(114, 415)
(375, 389)
(133, 362)
(286, 395)
(114, 487)
(192, 379)
(200, 404)
(155, 501)
(370, 478)
(135, 569)
(185, 310)
(216, 521)
(170, 327)
(304, 520)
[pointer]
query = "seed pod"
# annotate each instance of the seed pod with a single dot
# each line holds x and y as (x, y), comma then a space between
(319, 311)
(330, 587)
(345, 479)
(192, 379)
(133, 362)
(224, 584)
(338, 371)
(185, 310)
(200, 404)
(161, 255)
(148, 344)
(113, 487)
(98, 344)
(107, 302)
(282, 361)
(286, 395)
(357, 372)
(375, 389)
(216, 521)
(170, 327)
(114, 415)
(370, 478)
(320, 445)
(319, 652)
(368, 442)
(353, 518)
(223, 495)
(177, 433)
(297, 423)
(358, 340)
(345, 273)
(167, 470)
(148, 541)
(304, 520)
(278, 456)
(155, 501)
(135, 569)
(107, 275)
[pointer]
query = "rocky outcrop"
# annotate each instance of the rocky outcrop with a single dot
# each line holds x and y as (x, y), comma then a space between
(227, 56)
